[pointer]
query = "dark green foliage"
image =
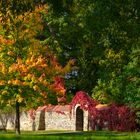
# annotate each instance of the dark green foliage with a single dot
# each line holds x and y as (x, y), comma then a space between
(104, 39)
(97, 34)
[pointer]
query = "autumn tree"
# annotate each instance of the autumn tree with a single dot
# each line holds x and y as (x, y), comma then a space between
(27, 68)
(14, 43)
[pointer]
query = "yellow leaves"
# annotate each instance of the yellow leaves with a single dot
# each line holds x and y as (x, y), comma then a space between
(61, 92)
(41, 8)
(13, 68)
(63, 70)
(31, 84)
(25, 83)
(40, 79)
(9, 82)
(2, 82)
(39, 99)
(45, 83)
(113, 56)
(1, 101)
(19, 67)
(29, 76)
(37, 62)
(19, 90)
(4, 92)
(1, 48)
(58, 68)
(19, 98)
(23, 68)
(26, 31)
(3, 68)
(33, 78)
(32, 58)
(110, 53)
(16, 82)
(19, 61)
(10, 53)
(28, 62)
(71, 62)
(44, 94)
(37, 70)
(66, 69)
(39, 58)
(31, 22)
(36, 88)
(6, 41)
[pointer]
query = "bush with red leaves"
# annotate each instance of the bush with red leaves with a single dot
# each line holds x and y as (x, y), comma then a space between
(114, 117)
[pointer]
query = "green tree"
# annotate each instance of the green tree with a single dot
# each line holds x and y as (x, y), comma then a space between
(100, 36)
(132, 81)
(118, 41)
(97, 34)
(69, 34)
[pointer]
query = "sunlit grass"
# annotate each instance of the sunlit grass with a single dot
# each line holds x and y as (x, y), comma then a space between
(67, 135)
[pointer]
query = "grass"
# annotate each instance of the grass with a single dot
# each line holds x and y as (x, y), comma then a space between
(62, 135)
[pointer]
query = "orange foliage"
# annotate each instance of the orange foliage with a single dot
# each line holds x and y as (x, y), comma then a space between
(40, 69)
(6, 41)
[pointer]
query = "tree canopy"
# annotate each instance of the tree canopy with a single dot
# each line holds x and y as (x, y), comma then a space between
(104, 38)
(101, 37)
(28, 69)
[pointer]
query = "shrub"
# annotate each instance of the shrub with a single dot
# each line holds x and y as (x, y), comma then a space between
(113, 116)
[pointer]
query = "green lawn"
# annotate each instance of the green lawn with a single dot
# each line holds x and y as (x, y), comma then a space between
(61, 135)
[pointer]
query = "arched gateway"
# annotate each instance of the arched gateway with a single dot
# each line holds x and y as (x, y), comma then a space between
(79, 119)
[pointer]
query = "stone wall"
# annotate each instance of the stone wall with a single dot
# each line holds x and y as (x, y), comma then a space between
(8, 121)
(26, 123)
(40, 120)
(53, 118)
(58, 121)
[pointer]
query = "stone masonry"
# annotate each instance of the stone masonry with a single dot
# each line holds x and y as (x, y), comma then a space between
(57, 117)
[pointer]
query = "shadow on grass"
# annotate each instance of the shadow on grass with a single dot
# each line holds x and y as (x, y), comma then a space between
(81, 133)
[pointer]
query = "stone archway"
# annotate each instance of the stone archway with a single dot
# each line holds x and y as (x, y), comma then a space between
(79, 119)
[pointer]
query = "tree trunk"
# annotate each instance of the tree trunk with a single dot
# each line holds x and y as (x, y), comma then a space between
(17, 121)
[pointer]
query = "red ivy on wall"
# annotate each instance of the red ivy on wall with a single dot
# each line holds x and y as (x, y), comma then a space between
(114, 117)
(84, 100)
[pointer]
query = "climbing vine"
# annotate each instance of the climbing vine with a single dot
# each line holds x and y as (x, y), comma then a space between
(112, 117)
